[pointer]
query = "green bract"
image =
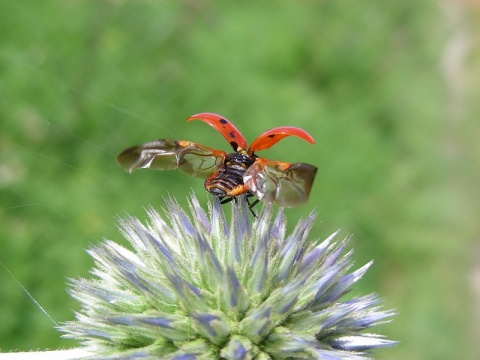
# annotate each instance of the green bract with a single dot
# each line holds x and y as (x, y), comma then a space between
(196, 288)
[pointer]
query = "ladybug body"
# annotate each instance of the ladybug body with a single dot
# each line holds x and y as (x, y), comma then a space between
(230, 174)
(228, 181)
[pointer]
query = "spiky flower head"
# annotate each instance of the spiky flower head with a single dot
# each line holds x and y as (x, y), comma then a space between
(193, 287)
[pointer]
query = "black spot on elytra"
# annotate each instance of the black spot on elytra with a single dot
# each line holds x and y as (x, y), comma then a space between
(223, 121)
(234, 145)
(231, 134)
(271, 136)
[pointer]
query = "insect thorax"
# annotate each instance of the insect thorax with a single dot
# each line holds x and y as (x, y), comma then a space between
(228, 181)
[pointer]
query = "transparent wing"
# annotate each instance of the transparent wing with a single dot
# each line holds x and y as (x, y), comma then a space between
(191, 158)
(281, 183)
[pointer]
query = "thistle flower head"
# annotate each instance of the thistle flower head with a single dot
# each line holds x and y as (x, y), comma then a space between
(193, 287)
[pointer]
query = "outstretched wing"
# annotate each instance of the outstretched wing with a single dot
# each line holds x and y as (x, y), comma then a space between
(281, 183)
(272, 136)
(224, 127)
(191, 158)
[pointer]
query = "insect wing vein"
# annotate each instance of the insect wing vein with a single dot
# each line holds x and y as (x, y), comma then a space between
(280, 183)
(164, 154)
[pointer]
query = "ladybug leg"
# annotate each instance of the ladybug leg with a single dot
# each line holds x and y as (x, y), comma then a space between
(234, 198)
(226, 201)
(251, 205)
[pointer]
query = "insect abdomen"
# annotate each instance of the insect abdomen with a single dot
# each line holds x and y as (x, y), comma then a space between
(228, 181)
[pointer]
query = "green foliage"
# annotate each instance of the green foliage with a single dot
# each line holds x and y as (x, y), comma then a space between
(82, 80)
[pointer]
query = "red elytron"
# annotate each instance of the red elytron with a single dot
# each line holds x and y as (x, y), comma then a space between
(230, 174)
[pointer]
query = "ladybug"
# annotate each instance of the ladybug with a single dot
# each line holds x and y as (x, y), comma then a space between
(228, 175)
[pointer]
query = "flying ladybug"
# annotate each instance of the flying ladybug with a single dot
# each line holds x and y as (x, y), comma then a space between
(228, 175)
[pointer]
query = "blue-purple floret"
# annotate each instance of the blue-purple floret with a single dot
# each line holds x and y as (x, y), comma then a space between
(192, 285)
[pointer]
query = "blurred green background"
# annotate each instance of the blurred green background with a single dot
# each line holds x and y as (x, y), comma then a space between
(385, 87)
